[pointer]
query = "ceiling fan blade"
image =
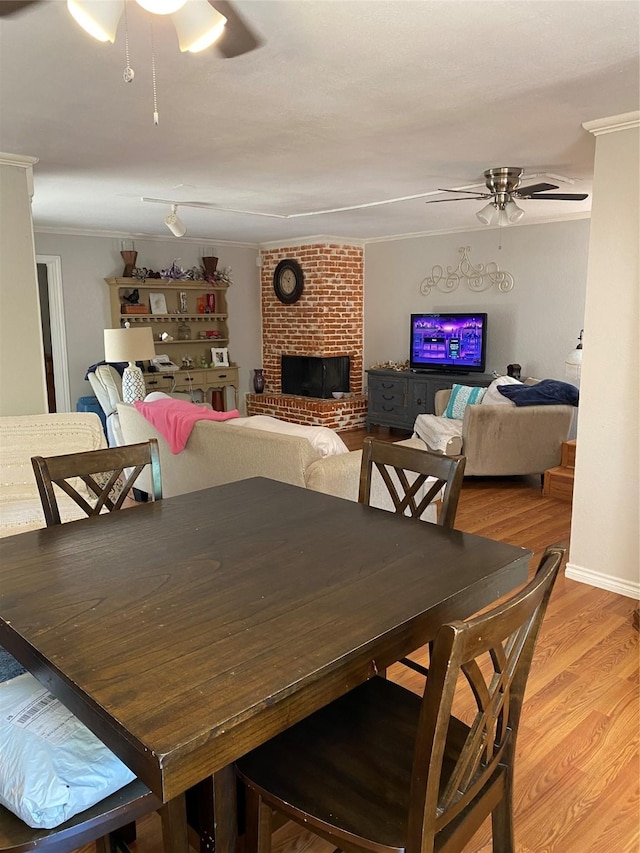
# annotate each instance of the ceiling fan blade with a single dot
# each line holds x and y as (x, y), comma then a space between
(525, 192)
(561, 196)
(442, 200)
(10, 7)
(237, 37)
(469, 192)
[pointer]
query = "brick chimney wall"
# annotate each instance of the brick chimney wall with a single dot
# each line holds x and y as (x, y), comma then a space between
(326, 321)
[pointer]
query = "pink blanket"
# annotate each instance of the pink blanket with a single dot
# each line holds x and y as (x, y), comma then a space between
(174, 419)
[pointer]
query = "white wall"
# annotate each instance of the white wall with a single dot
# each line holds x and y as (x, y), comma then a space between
(22, 376)
(604, 532)
(535, 325)
(88, 260)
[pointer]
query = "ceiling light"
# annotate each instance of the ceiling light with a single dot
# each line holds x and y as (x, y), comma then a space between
(161, 7)
(496, 213)
(174, 223)
(503, 218)
(198, 25)
(97, 17)
(489, 214)
(514, 213)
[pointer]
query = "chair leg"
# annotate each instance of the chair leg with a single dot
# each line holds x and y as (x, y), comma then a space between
(502, 819)
(258, 831)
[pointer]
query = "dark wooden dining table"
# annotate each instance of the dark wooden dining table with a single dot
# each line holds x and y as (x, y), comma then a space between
(188, 631)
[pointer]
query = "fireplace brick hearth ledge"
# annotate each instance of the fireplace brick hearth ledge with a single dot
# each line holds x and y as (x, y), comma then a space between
(344, 414)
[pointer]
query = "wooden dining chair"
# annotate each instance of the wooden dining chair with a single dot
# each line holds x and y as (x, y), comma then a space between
(383, 769)
(108, 474)
(107, 823)
(393, 461)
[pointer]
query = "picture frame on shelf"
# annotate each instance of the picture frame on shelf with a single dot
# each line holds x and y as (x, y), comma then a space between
(158, 303)
(220, 356)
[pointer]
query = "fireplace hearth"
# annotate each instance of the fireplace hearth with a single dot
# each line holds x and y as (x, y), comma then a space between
(314, 376)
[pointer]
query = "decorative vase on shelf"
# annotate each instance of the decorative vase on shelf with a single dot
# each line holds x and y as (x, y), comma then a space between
(258, 380)
(129, 258)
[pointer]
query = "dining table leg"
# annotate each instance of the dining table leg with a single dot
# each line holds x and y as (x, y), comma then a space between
(225, 809)
(173, 816)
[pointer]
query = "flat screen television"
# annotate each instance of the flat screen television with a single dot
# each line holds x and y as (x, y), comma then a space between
(449, 342)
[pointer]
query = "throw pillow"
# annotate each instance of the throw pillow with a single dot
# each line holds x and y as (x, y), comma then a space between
(493, 397)
(461, 397)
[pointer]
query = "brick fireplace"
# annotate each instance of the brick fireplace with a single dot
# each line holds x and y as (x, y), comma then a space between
(327, 321)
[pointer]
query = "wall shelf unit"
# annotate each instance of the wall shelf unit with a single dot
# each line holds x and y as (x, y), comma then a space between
(194, 332)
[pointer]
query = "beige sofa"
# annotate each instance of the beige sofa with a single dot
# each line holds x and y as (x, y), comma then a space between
(39, 435)
(219, 452)
(506, 440)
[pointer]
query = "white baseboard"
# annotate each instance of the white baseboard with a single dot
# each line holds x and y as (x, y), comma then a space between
(609, 582)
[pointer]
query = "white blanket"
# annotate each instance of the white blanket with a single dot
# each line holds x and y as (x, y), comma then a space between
(323, 439)
(443, 435)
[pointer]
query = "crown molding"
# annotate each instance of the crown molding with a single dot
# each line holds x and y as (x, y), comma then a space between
(152, 238)
(18, 160)
(313, 239)
(547, 221)
(297, 241)
(612, 124)
(22, 161)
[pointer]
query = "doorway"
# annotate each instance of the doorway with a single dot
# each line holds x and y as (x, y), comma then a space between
(49, 268)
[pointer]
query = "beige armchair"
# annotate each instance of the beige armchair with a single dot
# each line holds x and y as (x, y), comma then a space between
(503, 440)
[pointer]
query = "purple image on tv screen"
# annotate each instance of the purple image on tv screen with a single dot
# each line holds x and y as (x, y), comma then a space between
(447, 340)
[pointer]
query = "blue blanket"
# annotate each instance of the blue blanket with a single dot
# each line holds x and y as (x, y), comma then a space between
(547, 392)
(119, 366)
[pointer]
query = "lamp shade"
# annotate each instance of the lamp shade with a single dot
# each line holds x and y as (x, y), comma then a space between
(573, 362)
(514, 213)
(198, 25)
(162, 7)
(99, 18)
(488, 215)
(128, 344)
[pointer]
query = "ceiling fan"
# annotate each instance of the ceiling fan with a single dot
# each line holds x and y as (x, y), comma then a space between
(189, 16)
(504, 187)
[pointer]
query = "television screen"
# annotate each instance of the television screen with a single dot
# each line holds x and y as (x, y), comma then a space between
(454, 342)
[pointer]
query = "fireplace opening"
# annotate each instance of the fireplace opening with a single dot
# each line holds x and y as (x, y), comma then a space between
(313, 376)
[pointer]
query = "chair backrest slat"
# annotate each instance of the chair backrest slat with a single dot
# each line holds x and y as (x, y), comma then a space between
(108, 474)
(393, 461)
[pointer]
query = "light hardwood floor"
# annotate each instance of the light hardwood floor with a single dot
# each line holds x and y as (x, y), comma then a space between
(578, 770)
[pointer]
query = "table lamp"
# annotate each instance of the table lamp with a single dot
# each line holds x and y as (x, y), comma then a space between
(130, 345)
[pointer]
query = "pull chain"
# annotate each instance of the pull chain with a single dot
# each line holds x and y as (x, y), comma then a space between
(129, 73)
(153, 78)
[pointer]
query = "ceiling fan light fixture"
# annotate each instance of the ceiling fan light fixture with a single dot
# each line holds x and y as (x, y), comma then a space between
(514, 213)
(503, 218)
(489, 214)
(99, 18)
(198, 25)
(174, 223)
(161, 7)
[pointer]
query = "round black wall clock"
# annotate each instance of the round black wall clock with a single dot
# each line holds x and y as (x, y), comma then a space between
(288, 281)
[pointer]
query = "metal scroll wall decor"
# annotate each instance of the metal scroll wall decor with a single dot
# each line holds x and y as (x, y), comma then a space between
(478, 278)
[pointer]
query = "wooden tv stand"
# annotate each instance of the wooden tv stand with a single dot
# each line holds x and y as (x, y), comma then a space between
(397, 397)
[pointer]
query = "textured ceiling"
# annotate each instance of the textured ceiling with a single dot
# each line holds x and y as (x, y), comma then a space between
(346, 103)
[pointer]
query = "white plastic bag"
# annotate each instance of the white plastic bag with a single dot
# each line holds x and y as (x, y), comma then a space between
(51, 765)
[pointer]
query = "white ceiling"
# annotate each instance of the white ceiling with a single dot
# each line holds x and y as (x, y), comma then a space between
(347, 103)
